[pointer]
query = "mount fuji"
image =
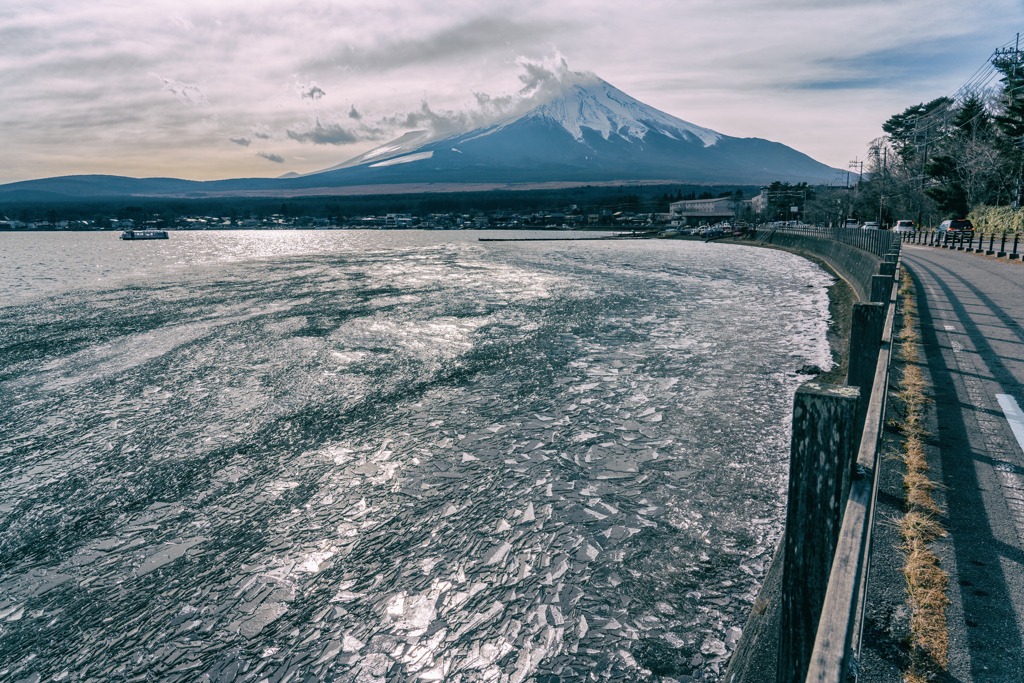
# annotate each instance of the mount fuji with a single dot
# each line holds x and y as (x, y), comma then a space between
(590, 132)
(587, 132)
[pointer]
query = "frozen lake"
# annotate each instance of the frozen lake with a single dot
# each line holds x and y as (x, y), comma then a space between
(391, 456)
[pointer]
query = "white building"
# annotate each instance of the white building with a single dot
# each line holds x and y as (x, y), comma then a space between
(696, 211)
(760, 202)
(398, 220)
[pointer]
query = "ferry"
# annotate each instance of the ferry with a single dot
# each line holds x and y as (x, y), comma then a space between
(144, 235)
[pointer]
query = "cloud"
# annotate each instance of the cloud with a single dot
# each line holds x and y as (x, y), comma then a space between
(83, 75)
(182, 22)
(271, 157)
(243, 141)
(541, 80)
(336, 134)
(450, 43)
(314, 93)
(189, 93)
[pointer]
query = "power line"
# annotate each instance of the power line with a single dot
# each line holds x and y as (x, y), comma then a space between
(977, 82)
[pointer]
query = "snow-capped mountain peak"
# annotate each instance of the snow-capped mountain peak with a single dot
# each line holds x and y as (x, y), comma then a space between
(577, 127)
(599, 106)
(570, 129)
(582, 102)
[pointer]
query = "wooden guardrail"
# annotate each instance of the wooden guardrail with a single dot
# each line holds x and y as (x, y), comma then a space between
(832, 488)
(837, 642)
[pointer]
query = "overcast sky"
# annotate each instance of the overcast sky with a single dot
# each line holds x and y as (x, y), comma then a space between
(216, 89)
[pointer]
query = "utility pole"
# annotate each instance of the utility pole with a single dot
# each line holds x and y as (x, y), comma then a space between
(1013, 59)
(881, 193)
(860, 175)
(924, 162)
(1008, 54)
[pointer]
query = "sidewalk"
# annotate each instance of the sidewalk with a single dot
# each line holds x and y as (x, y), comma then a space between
(970, 311)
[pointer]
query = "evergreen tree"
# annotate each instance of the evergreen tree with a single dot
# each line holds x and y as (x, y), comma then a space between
(972, 118)
(914, 123)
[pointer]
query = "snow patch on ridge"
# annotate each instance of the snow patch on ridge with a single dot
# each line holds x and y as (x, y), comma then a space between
(403, 160)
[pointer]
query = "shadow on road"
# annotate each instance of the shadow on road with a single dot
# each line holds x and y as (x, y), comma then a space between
(986, 598)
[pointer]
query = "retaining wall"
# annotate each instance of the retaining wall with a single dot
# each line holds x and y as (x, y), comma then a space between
(854, 265)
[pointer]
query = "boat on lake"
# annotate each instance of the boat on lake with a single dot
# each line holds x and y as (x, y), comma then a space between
(144, 235)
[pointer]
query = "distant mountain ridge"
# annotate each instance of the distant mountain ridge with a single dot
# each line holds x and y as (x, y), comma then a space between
(590, 132)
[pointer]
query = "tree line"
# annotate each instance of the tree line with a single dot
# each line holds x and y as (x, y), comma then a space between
(950, 157)
(586, 199)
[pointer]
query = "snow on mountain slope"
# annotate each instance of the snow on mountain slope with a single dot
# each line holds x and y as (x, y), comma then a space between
(599, 106)
(406, 144)
(584, 103)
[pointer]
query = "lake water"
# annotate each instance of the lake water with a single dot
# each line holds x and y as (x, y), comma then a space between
(391, 456)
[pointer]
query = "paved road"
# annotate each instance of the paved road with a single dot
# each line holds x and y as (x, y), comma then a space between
(971, 312)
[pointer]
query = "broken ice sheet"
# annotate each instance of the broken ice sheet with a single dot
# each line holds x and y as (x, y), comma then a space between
(449, 461)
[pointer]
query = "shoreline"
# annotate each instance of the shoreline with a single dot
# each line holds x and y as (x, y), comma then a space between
(841, 298)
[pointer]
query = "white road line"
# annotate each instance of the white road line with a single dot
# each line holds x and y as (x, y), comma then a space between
(1014, 416)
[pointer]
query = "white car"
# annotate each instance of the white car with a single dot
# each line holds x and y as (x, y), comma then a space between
(903, 226)
(870, 225)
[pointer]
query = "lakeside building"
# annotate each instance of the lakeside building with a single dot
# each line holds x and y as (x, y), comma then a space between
(398, 220)
(697, 211)
(760, 203)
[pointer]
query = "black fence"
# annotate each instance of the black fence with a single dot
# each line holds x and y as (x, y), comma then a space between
(877, 242)
(1000, 245)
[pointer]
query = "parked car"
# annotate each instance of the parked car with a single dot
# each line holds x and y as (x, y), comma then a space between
(870, 225)
(956, 225)
(903, 226)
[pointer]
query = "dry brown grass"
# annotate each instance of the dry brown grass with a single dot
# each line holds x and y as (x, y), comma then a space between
(926, 582)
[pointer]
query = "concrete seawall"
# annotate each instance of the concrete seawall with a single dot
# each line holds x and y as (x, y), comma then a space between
(855, 265)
